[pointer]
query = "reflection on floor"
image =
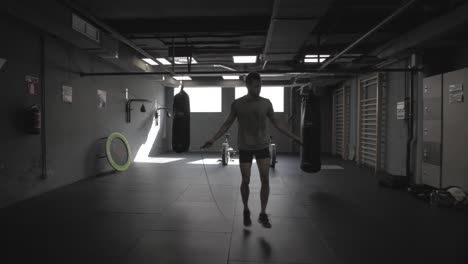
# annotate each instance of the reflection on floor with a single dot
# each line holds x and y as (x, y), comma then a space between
(164, 212)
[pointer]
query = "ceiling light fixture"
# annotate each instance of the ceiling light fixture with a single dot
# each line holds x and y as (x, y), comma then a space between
(183, 60)
(244, 59)
(230, 77)
(182, 78)
(150, 61)
(163, 61)
(315, 58)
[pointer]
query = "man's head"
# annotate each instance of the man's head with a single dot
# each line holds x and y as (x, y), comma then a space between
(254, 84)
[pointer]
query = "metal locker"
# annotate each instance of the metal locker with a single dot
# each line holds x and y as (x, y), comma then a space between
(432, 87)
(455, 130)
(431, 153)
(433, 108)
(432, 130)
(431, 174)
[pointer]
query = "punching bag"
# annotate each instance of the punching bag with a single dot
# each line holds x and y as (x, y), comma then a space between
(310, 125)
(181, 122)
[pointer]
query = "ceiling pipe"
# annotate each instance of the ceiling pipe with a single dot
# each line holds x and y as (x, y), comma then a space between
(72, 5)
(385, 21)
(274, 14)
(224, 67)
(217, 73)
(206, 65)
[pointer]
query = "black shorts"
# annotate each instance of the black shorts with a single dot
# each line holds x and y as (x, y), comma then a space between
(247, 155)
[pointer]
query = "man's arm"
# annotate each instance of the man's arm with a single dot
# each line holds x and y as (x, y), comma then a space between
(283, 130)
(222, 130)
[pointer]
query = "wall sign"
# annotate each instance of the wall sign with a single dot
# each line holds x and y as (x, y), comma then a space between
(401, 110)
(101, 98)
(456, 93)
(31, 85)
(67, 94)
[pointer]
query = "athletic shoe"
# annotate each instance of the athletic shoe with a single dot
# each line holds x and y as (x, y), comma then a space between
(247, 221)
(263, 219)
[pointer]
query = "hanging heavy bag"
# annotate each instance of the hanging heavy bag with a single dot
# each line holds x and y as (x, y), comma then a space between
(181, 122)
(310, 124)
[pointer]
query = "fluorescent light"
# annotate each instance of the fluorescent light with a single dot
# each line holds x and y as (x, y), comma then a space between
(311, 60)
(150, 61)
(244, 59)
(316, 56)
(183, 60)
(183, 78)
(230, 77)
(163, 61)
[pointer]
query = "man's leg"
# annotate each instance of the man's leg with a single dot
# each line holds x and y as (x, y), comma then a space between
(245, 172)
(264, 171)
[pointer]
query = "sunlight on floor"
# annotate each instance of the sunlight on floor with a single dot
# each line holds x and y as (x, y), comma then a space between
(160, 160)
(143, 152)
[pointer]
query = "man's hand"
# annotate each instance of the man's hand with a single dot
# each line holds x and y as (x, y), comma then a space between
(208, 144)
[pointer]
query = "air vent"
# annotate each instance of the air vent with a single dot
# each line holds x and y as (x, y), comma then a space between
(85, 28)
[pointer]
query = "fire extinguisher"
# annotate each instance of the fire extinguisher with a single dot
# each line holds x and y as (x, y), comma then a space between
(35, 119)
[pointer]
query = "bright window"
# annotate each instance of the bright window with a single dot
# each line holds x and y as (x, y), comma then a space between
(274, 93)
(203, 99)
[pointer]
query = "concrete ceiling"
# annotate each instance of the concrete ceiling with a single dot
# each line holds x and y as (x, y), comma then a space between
(279, 32)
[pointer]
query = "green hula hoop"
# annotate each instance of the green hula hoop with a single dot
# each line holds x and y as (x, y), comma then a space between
(112, 162)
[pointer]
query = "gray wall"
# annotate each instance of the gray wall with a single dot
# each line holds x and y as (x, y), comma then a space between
(73, 131)
(326, 121)
(20, 159)
(396, 130)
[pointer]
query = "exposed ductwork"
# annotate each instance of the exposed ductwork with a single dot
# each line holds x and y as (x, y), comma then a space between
(72, 5)
(291, 23)
(424, 33)
(363, 37)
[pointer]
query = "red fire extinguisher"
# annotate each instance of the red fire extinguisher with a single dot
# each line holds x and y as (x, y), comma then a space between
(35, 119)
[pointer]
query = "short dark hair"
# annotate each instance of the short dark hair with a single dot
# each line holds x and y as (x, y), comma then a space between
(252, 76)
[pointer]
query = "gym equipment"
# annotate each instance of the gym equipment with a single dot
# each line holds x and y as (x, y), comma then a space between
(310, 124)
(181, 123)
(226, 151)
(128, 108)
(118, 152)
(272, 149)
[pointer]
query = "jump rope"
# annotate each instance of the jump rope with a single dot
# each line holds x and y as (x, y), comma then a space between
(211, 190)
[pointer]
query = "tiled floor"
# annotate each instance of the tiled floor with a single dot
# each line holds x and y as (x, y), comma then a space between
(165, 213)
